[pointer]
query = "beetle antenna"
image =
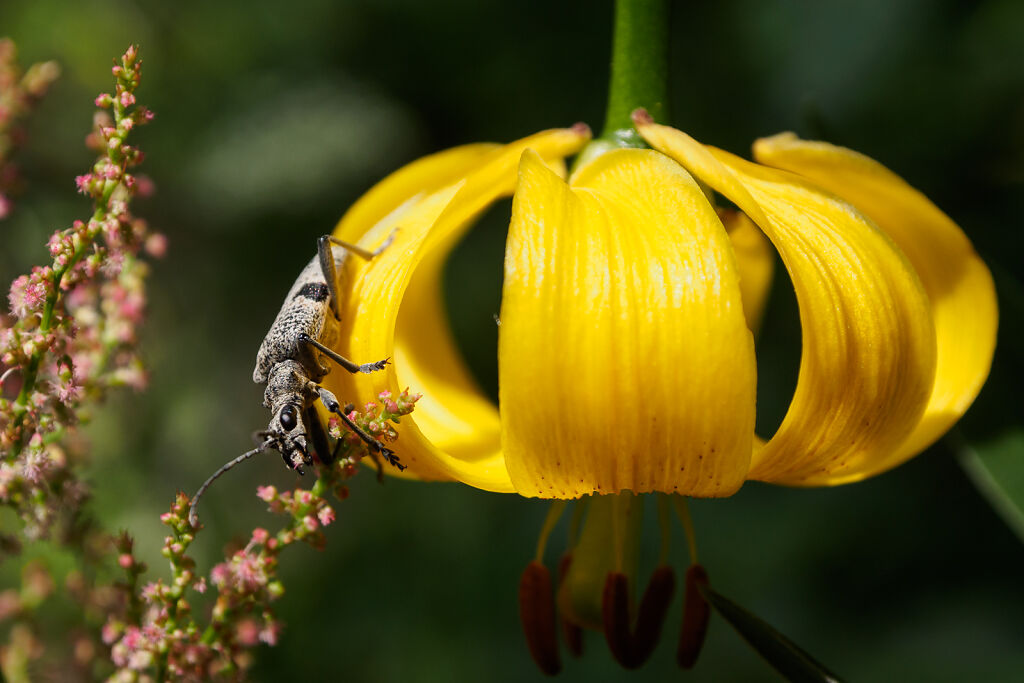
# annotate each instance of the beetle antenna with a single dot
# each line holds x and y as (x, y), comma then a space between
(193, 518)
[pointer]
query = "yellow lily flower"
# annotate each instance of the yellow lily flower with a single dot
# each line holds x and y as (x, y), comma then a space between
(626, 358)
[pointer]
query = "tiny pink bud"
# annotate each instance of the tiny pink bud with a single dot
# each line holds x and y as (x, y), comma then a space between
(304, 497)
(266, 493)
(260, 535)
(325, 515)
(144, 186)
(270, 633)
(309, 521)
(156, 244)
(247, 632)
(111, 631)
(126, 561)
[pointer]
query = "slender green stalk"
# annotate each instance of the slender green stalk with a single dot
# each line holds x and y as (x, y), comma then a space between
(639, 68)
(664, 528)
(554, 514)
(683, 511)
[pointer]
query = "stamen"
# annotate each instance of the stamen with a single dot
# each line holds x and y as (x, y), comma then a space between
(631, 648)
(571, 633)
(537, 614)
(651, 615)
(683, 512)
(696, 613)
(615, 613)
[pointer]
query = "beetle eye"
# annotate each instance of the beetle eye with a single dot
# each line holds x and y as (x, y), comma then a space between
(288, 418)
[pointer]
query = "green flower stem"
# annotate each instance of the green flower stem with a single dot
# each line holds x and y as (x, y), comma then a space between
(46, 322)
(639, 68)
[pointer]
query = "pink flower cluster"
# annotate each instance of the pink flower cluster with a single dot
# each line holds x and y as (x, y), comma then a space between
(165, 637)
(157, 638)
(377, 419)
(71, 334)
(68, 336)
(71, 331)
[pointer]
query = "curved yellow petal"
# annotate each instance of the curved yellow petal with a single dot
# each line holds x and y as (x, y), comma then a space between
(959, 286)
(624, 360)
(394, 306)
(408, 184)
(755, 259)
(868, 358)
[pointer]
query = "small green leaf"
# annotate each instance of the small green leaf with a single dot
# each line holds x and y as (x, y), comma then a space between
(780, 652)
(997, 468)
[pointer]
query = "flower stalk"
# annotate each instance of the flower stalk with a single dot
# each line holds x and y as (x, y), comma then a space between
(639, 70)
(123, 236)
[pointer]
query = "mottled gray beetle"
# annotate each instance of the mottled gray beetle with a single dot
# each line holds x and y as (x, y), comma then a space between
(291, 361)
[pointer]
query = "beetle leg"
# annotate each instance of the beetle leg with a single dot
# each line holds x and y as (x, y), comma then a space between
(330, 269)
(317, 434)
(330, 402)
(341, 360)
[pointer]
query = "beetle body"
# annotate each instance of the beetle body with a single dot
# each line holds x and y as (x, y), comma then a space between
(293, 359)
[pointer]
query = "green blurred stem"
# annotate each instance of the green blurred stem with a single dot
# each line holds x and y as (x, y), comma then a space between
(639, 68)
(46, 321)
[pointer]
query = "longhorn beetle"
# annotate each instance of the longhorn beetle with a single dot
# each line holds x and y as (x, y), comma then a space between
(291, 361)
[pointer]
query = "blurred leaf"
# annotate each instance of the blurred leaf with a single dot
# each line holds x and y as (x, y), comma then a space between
(997, 468)
(780, 652)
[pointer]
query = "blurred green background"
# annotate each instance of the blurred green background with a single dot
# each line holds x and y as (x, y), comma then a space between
(273, 117)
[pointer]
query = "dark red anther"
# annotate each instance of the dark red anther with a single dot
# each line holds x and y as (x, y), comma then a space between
(537, 613)
(651, 615)
(696, 613)
(571, 633)
(615, 614)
